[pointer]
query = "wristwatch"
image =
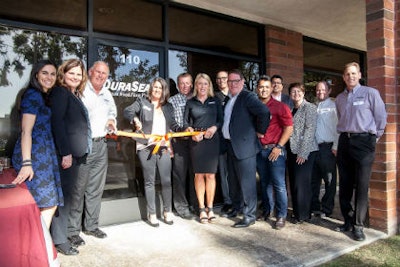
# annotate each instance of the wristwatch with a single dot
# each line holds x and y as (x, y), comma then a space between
(279, 146)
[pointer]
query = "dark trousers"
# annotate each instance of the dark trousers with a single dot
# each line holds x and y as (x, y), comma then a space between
(160, 162)
(324, 169)
(355, 157)
(182, 176)
(223, 174)
(60, 222)
(242, 184)
(300, 185)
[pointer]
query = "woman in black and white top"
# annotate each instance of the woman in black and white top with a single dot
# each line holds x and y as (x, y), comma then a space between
(302, 152)
(154, 115)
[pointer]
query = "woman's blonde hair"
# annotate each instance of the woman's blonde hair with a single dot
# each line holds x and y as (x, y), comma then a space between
(199, 76)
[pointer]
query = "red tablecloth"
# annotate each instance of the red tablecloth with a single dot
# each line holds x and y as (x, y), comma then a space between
(22, 235)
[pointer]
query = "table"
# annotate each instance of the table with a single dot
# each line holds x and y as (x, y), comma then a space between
(24, 238)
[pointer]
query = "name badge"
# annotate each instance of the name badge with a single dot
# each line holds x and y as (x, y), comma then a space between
(358, 103)
(325, 110)
(147, 108)
(211, 102)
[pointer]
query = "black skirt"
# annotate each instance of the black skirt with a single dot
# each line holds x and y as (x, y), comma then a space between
(204, 155)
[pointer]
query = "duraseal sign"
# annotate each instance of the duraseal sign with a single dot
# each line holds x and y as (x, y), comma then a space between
(127, 89)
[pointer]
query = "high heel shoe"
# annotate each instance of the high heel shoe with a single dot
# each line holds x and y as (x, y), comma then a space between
(203, 215)
(152, 220)
(168, 218)
(211, 215)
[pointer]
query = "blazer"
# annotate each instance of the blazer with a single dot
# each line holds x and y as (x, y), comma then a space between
(303, 140)
(249, 116)
(144, 110)
(70, 123)
(287, 100)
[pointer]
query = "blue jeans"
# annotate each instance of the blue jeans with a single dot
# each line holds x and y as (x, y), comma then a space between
(272, 178)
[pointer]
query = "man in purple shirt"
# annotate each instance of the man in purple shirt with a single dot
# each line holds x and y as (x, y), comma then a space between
(361, 122)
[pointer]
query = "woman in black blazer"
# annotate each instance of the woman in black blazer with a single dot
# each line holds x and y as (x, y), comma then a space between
(154, 115)
(71, 131)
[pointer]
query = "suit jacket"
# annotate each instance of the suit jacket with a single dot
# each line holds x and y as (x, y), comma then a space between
(70, 123)
(144, 110)
(249, 116)
(287, 100)
(303, 140)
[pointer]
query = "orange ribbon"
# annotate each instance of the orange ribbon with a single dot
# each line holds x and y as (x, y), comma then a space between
(157, 139)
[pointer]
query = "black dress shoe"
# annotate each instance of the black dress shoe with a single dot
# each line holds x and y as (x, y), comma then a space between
(244, 223)
(96, 233)
(76, 241)
(231, 214)
(280, 223)
(67, 250)
(346, 227)
(358, 233)
(226, 208)
(186, 214)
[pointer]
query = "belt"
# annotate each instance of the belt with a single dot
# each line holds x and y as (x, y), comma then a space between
(325, 144)
(349, 135)
(269, 146)
(98, 139)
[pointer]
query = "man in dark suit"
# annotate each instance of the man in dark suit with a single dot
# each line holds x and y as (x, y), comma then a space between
(245, 118)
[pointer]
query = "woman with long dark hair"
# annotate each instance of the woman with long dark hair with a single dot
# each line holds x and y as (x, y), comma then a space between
(34, 156)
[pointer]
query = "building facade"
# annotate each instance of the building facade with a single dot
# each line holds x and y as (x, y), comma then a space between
(141, 40)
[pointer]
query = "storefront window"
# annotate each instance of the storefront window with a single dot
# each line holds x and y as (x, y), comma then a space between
(211, 33)
(132, 18)
(48, 12)
(19, 50)
(324, 62)
(194, 63)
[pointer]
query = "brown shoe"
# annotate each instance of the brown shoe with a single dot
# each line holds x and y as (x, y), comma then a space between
(280, 223)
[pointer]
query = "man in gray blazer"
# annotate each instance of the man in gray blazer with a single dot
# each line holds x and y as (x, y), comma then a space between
(246, 117)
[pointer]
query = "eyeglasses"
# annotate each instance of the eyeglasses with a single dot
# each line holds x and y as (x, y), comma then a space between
(234, 81)
(222, 78)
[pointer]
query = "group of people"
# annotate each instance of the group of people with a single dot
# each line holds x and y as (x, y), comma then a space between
(61, 153)
(238, 133)
(66, 113)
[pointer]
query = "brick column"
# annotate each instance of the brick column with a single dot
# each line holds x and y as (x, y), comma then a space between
(284, 54)
(382, 47)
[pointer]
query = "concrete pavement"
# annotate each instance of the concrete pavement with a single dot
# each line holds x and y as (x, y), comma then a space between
(189, 243)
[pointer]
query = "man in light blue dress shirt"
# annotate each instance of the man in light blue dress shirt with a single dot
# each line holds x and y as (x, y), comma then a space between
(362, 121)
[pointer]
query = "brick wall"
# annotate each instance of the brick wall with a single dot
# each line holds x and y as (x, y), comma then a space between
(284, 54)
(397, 99)
(382, 46)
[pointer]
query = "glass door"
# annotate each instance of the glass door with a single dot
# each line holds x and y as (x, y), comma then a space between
(131, 71)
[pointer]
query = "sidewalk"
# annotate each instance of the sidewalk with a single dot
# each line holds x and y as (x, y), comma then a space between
(189, 243)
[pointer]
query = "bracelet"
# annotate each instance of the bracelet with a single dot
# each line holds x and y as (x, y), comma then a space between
(26, 161)
(279, 146)
(26, 164)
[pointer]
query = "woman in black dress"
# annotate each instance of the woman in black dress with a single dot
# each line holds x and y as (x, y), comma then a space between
(204, 113)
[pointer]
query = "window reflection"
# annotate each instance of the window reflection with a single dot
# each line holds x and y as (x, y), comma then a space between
(20, 49)
(131, 72)
(181, 61)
